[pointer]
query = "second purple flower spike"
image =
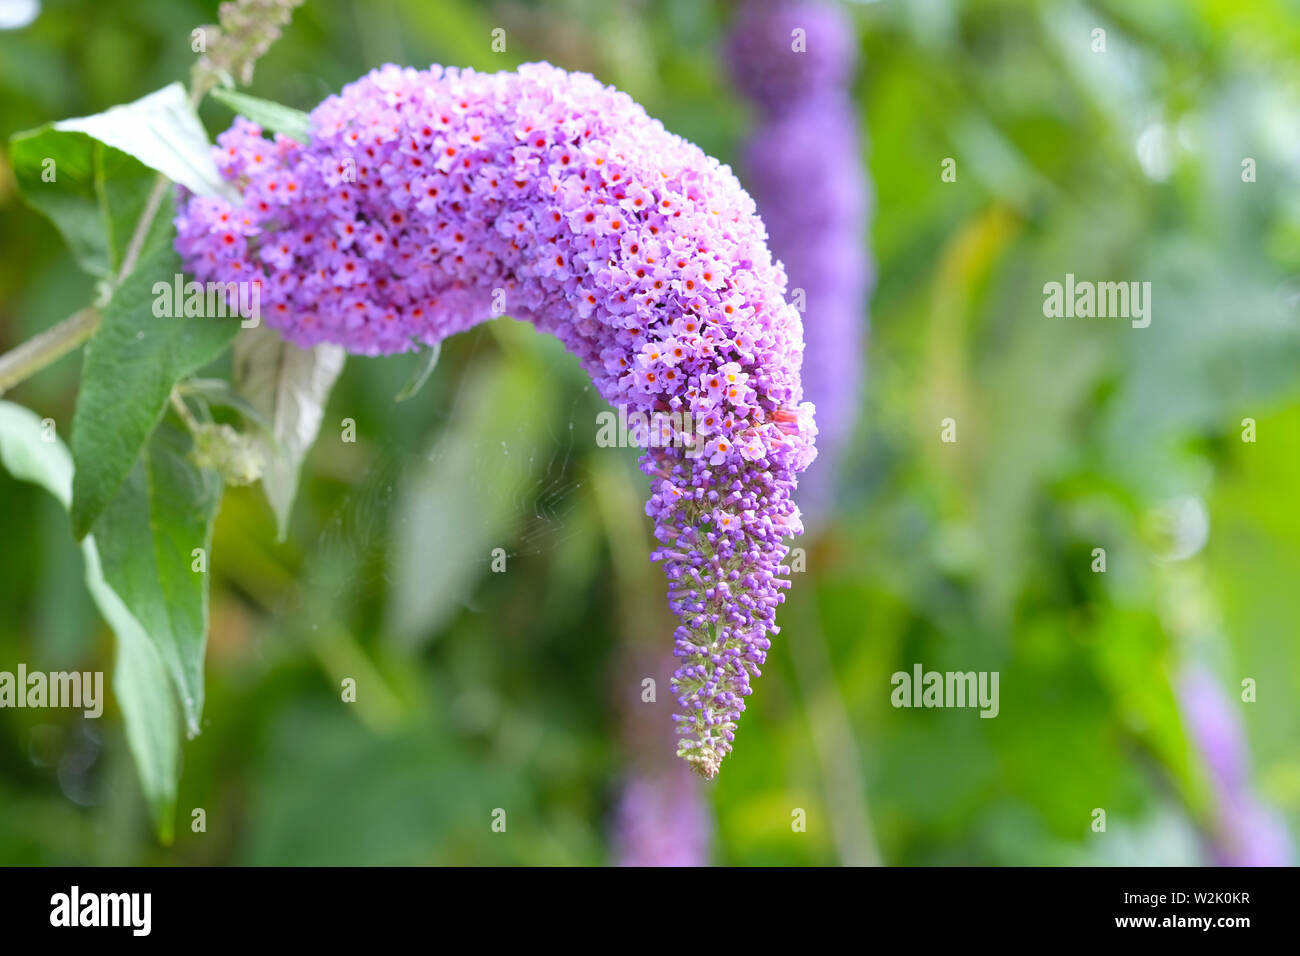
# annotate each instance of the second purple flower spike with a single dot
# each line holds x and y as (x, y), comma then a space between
(802, 164)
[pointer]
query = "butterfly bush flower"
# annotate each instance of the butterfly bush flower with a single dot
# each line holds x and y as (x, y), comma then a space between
(802, 163)
(424, 196)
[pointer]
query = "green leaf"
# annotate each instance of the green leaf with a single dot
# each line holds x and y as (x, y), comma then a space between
(163, 132)
(92, 176)
(140, 682)
(469, 491)
(269, 115)
(147, 536)
(131, 365)
(289, 386)
(428, 360)
(148, 700)
(92, 193)
(29, 456)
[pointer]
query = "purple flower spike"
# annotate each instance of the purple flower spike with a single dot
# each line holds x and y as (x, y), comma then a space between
(783, 52)
(427, 198)
(662, 821)
(661, 817)
(803, 165)
(1245, 832)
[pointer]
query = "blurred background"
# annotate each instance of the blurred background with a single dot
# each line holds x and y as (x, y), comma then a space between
(1120, 690)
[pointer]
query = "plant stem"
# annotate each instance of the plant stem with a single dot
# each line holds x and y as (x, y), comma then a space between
(46, 348)
(183, 411)
(142, 226)
(832, 734)
(54, 343)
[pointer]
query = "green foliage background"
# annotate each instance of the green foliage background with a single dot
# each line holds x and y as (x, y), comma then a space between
(481, 690)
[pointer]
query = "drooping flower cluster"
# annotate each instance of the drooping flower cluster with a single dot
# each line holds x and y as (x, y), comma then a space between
(427, 198)
(802, 163)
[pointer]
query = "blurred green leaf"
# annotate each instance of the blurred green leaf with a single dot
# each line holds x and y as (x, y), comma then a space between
(146, 695)
(460, 505)
(29, 455)
(140, 681)
(333, 793)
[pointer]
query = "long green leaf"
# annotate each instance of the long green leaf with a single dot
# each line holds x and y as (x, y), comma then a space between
(131, 365)
(469, 491)
(92, 175)
(269, 115)
(163, 132)
(93, 194)
(140, 682)
(147, 539)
